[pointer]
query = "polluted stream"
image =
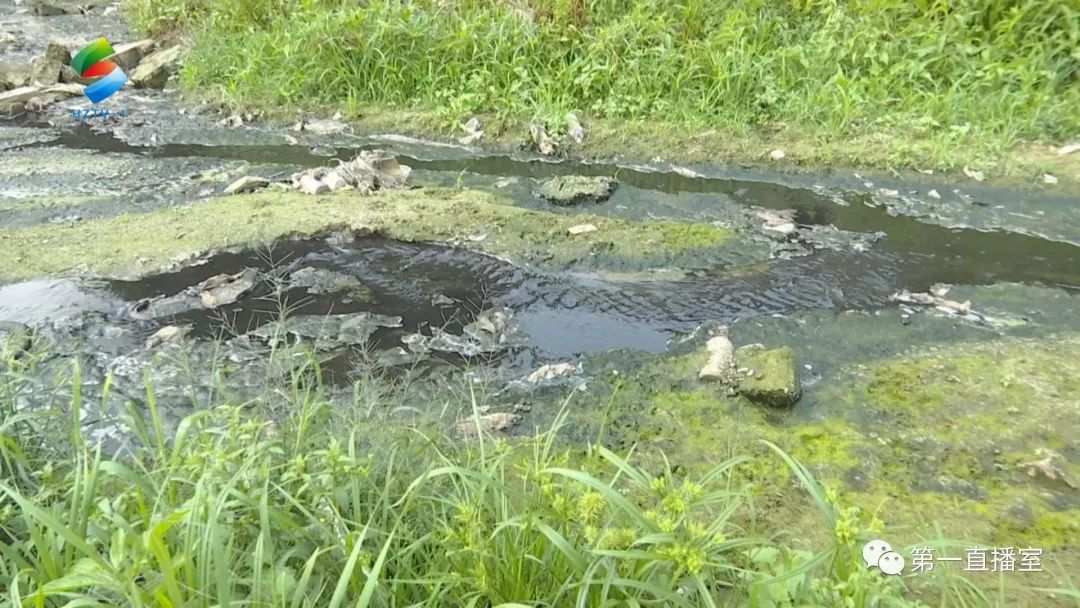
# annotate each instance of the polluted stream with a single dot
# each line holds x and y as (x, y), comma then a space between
(415, 304)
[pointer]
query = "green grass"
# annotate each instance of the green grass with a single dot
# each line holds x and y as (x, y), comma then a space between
(314, 502)
(933, 82)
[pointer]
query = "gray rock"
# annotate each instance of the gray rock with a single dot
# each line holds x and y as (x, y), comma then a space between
(320, 281)
(52, 8)
(474, 130)
(45, 71)
(568, 190)
(154, 70)
(574, 128)
(773, 378)
(68, 74)
(493, 331)
(61, 91)
(129, 54)
(15, 99)
(248, 183)
(168, 335)
(13, 75)
(223, 289)
(57, 53)
(541, 141)
(326, 333)
(488, 423)
(377, 167)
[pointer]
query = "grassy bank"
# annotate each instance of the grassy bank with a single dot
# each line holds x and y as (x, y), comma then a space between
(322, 503)
(928, 85)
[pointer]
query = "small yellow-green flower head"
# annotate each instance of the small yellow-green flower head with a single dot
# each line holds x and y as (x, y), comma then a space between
(591, 507)
(693, 490)
(694, 560)
(561, 505)
(658, 484)
(690, 558)
(674, 504)
(618, 539)
(591, 532)
(695, 529)
(847, 528)
(465, 513)
(831, 496)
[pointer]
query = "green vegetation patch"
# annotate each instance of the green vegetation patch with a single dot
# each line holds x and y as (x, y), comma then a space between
(137, 244)
(48, 201)
(981, 439)
(929, 85)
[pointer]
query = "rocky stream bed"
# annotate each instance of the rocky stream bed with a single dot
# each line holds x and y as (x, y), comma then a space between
(921, 352)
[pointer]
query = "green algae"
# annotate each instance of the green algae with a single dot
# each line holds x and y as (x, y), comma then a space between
(931, 444)
(132, 245)
(567, 190)
(48, 201)
(773, 378)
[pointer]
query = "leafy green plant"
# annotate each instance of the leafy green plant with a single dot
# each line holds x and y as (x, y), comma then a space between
(324, 503)
(958, 75)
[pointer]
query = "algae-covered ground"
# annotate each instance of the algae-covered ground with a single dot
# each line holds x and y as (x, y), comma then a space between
(137, 244)
(955, 446)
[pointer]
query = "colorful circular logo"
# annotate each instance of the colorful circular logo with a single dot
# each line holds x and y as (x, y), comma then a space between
(90, 63)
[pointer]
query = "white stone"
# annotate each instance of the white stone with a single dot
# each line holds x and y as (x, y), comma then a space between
(581, 229)
(551, 371)
(721, 359)
(334, 181)
(1069, 149)
(686, 172)
(499, 421)
(974, 174)
(167, 334)
(248, 183)
(310, 185)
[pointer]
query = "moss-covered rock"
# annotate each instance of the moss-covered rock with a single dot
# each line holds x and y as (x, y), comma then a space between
(566, 190)
(772, 377)
(133, 245)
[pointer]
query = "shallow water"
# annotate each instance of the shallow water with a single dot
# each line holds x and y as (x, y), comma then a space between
(565, 314)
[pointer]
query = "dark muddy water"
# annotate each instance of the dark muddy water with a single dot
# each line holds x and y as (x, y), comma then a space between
(567, 313)
(433, 286)
(934, 253)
